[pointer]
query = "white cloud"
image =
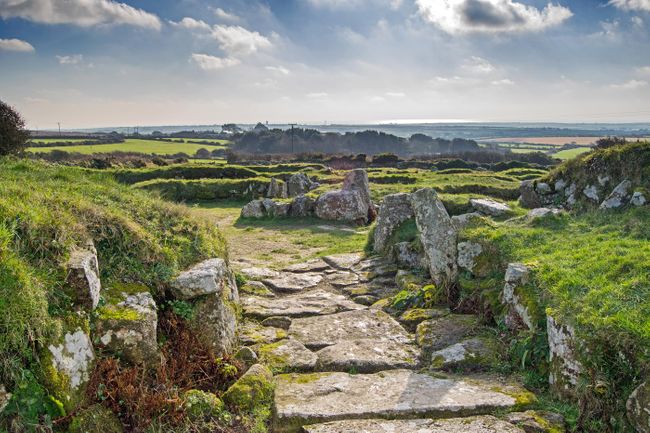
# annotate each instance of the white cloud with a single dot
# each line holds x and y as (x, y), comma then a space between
(503, 82)
(15, 45)
(223, 15)
(643, 70)
(237, 41)
(491, 16)
(281, 70)
(478, 65)
(637, 22)
(84, 13)
(74, 59)
(212, 63)
(395, 94)
(317, 95)
(377, 99)
(191, 24)
(631, 5)
(630, 85)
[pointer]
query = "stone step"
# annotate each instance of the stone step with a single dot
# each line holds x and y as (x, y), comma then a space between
(320, 331)
(475, 424)
(303, 399)
(368, 356)
(312, 303)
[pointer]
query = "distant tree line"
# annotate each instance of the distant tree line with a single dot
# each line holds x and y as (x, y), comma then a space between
(301, 140)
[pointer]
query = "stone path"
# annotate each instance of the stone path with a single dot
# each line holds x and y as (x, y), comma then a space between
(344, 367)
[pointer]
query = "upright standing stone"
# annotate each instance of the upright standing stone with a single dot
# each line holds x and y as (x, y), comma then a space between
(437, 234)
(83, 278)
(565, 367)
(351, 204)
(394, 210)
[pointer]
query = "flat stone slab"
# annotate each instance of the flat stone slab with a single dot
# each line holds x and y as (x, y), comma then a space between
(343, 261)
(287, 355)
(322, 397)
(379, 288)
(255, 273)
(489, 207)
(320, 331)
(314, 265)
(436, 334)
(367, 356)
(342, 279)
(291, 282)
(251, 333)
(475, 424)
(311, 303)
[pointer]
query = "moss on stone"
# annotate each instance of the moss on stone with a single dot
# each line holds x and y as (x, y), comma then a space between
(203, 405)
(95, 419)
(253, 390)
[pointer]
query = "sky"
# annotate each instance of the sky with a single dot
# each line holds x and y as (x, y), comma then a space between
(97, 63)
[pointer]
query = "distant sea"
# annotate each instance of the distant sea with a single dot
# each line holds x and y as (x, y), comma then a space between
(475, 131)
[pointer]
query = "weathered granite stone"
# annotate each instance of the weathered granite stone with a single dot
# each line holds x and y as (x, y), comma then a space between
(342, 279)
(320, 331)
(517, 313)
(129, 328)
(292, 282)
(543, 188)
(247, 356)
(603, 179)
(476, 424)
(321, 397)
(367, 300)
(209, 276)
(277, 189)
(282, 322)
(255, 273)
(564, 365)
(591, 192)
(441, 332)
(350, 204)
(298, 183)
(282, 209)
(464, 220)
(472, 353)
(367, 356)
(413, 317)
(253, 209)
(215, 323)
(406, 255)
(529, 198)
(437, 235)
(467, 254)
(82, 278)
(638, 199)
(394, 210)
(537, 421)
(302, 206)
(541, 213)
(313, 265)
(253, 389)
(251, 333)
(638, 408)
(343, 262)
(311, 303)
(256, 288)
(489, 207)
(287, 355)
(619, 196)
(68, 366)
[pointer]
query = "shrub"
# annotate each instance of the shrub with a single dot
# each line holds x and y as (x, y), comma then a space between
(13, 135)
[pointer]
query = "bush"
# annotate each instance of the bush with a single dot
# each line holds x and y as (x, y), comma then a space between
(13, 135)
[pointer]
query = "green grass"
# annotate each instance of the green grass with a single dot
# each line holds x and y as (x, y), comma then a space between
(571, 153)
(59, 140)
(133, 145)
(48, 210)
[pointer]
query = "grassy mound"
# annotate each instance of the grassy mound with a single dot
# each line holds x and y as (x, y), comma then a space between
(46, 211)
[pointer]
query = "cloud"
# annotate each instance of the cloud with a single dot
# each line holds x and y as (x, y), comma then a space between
(503, 82)
(490, 16)
(630, 85)
(191, 24)
(223, 15)
(237, 41)
(644, 70)
(278, 69)
(317, 95)
(637, 22)
(75, 59)
(395, 94)
(478, 65)
(377, 99)
(15, 45)
(212, 63)
(631, 5)
(83, 13)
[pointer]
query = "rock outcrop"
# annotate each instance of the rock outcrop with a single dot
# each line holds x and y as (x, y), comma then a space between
(394, 210)
(350, 204)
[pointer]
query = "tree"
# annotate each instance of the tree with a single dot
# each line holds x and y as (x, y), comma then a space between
(13, 135)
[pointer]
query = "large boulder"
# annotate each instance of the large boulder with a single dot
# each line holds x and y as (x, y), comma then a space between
(350, 204)
(277, 189)
(298, 183)
(565, 368)
(253, 209)
(302, 206)
(638, 408)
(437, 234)
(127, 325)
(82, 280)
(619, 196)
(394, 210)
(209, 276)
(67, 366)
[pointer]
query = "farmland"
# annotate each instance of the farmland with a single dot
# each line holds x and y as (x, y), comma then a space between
(135, 145)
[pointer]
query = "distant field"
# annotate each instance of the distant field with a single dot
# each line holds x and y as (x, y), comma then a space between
(132, 145)
(59, 140)
(571, 153)
(207, 140)
(554, 141)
